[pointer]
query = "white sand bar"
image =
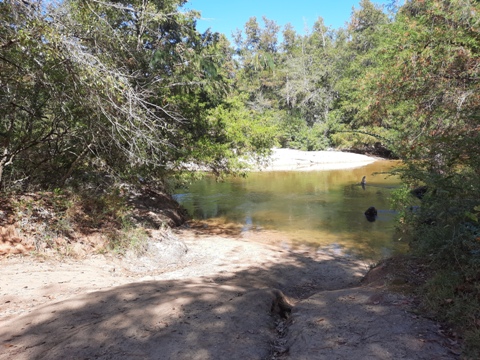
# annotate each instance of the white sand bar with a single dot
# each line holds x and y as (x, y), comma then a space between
(297, 160)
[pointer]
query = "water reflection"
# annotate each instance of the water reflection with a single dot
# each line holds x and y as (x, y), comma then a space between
(325, 209)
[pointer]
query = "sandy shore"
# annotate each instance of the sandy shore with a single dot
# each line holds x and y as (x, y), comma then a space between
(297, 160)
(222, 300)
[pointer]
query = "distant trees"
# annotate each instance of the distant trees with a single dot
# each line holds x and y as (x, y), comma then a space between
(132, 88)
(310, 81)
(358, 46)
(256, 49)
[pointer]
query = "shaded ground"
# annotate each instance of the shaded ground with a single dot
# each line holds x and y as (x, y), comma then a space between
(362, 323)
(217, 301)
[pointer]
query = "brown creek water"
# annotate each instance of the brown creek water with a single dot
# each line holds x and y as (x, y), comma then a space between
(319, 209)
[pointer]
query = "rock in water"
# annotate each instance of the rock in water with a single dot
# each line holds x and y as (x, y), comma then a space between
(371, 214)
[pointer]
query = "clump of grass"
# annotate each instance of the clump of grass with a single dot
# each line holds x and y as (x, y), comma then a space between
(129, 237)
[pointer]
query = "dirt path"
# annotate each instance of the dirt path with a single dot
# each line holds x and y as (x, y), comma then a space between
(218, 301)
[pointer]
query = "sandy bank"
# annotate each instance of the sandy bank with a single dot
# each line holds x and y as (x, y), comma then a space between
(297, 160)
(218, 301)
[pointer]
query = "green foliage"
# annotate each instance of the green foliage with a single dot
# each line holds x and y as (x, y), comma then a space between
(424, 86)
(129, 95)
(404, 203)
(297, 134)
(421, 91)
(357, 56)
(308, 75)
(239, 134)
(447, 238)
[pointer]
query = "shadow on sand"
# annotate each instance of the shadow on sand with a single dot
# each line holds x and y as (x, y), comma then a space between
(228, 316)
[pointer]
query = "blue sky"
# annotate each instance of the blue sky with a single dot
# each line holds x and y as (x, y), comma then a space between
(225, 16)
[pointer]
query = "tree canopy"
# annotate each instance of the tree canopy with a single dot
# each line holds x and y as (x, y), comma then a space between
(125, 87)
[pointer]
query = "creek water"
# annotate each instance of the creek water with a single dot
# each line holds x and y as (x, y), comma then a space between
(320, 209)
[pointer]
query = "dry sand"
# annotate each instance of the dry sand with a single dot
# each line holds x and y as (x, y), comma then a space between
(297, 160)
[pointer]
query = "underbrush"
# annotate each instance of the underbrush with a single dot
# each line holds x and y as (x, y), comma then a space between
(77, 222)
(452, 294)
(444, 233)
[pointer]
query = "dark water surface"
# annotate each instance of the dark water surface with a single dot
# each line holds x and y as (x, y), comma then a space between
(323, 209)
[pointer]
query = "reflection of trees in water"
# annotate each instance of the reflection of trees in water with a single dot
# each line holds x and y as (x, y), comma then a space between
(326, 204)
(356, 190)
(202, 210)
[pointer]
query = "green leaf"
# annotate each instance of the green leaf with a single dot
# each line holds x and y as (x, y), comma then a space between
(471, 216)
